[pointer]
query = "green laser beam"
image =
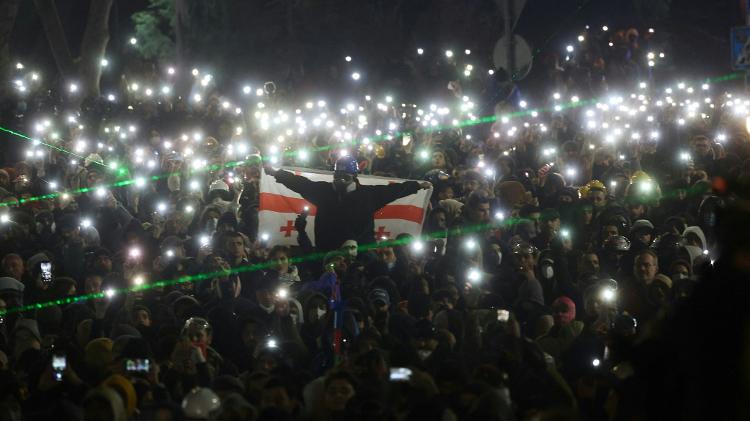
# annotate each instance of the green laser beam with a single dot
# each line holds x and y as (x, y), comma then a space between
(458, 231)
(255, 267)
(384, 137)
(32, 140)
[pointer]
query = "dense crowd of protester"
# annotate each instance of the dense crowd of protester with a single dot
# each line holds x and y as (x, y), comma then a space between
(551, 275)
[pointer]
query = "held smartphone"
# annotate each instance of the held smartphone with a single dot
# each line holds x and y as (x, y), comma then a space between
(138, 365)
(400, 374)
(59, 364)
(503, 316)
(46, 271)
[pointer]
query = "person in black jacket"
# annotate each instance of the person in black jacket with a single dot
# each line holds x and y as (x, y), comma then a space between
(345, 208)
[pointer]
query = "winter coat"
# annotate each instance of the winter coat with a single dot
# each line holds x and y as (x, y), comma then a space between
(347, 216)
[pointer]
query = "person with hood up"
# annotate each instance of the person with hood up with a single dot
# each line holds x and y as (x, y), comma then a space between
(345, 208)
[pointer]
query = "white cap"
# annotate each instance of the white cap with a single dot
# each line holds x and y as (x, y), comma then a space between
(200, 403)
(218, 185)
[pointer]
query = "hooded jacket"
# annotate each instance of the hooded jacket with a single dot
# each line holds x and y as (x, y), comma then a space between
(347, 216)
(697, 231)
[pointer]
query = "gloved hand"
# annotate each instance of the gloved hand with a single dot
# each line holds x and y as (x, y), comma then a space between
(301, 222)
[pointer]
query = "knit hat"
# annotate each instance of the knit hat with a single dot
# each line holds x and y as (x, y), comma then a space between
(98, 353)
(641, 224)
(567, 316)
(663, 279)
(10, 284)
(379, 294)
(125, 389)
(109, 395)
(29, 325)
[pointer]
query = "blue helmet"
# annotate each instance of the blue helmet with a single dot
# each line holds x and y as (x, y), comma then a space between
(346, 164)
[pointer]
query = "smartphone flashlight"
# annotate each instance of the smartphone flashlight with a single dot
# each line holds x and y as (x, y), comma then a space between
(59, 364)
(400, 374)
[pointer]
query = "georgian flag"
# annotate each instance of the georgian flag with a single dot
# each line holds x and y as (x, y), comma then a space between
(280, 206)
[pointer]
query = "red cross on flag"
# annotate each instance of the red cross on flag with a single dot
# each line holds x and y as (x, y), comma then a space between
(280, 206)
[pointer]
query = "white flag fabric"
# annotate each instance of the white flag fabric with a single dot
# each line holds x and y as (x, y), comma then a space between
(280, 206)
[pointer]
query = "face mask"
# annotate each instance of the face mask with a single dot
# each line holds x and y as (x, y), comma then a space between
(211, 224)
(549, 272)
(352, 251)
(391, 265)
(295, 318)
(679, 276)
(344, 187)
(320, 312)
(424, 354)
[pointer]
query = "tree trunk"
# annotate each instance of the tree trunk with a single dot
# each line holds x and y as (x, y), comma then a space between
(8, 12)
(181, 21)
(55, 36)
(93, 47)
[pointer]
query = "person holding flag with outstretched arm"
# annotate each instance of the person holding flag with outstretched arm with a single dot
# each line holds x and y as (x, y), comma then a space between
(345, 208)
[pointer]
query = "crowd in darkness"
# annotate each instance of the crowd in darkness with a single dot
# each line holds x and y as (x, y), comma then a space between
(560, 275)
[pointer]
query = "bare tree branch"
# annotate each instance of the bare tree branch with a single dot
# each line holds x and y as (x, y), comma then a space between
(8, 12)
(55, 36)
(93, 46)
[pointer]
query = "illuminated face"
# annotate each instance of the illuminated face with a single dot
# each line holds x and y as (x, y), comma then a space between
(610, 231)
(13, 266)
(481, 214)
(553, 225)
(142, 318)
(644, 237)
(198, 335)
(589, 264)
(598, 198)
(470, 186)
(387, 255)
(438, 160)
(636, 211)
(446, 193)
(680, 271)
(337, 394)
(103, 263)
(280, 262)
(93, 284)
(439, 220)
(526, 262)
(235, 247)
(701, 146)
(645, 268)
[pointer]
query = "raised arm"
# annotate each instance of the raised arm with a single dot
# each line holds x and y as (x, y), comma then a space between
(387, 194)
(296, 183)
